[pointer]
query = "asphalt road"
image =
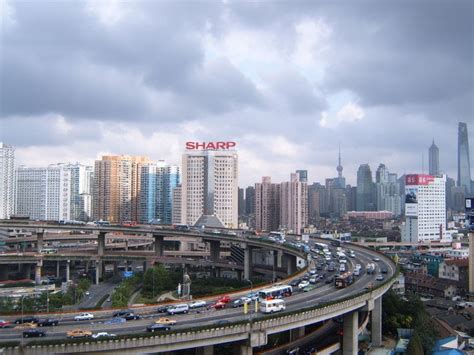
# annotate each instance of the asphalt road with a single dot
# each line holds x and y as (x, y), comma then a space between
(323, 293)
(96, 292)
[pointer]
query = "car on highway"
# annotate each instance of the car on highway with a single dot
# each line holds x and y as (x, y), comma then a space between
(4, 323)
(241, 301)
(312, 272)
(178, 308)
(313, 280)
(218, 305)
(197, 304)
(157, 328)
(84, 316)
(115, 320)
(295, 282)
(376, 259)
(121, 313)
(224, 299)
(221, 322)
(166, 321)
(103, 335)
(79, 333)
(132, 316)
(309, 288)
(384, 270)
(30, 333)
(26, 320)
(87, 293)
(26, 326)
(47, 322)
(252, 295)
(163, 309)
(379, 277)
(303, 284)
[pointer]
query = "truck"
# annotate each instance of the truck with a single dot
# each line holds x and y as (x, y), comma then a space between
(370, 268)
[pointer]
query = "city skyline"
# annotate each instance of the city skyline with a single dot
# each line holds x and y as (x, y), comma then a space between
(288, 87)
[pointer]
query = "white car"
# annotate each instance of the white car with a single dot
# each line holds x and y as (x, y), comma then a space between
(198, 304)
(84, 316)
(103, 335)
(303, 284)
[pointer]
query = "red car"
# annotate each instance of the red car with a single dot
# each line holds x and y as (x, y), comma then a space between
(218, 305)
(4, 323)
(224, 299)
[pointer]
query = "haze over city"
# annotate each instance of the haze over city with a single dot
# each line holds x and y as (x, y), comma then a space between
(288, 82)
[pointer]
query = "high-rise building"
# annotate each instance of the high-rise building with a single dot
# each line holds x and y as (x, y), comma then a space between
(176, 205)
(433, 159)
(44, 193)
(365, 189)
(7, 180)
(156, 188)
(241, 202)
(250, 200)
(387, 191)
(303, 174)
(294, 204)
(316, 199)
(81, 191)
(425, 208)
(117, 181)
(267, 205)
(464, 162)
(210, 187)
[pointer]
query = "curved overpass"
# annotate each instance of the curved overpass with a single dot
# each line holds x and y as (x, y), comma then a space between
(302, 309)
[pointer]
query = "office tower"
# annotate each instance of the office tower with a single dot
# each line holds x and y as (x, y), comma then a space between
(464, 163)
(450, 184)
(351, 197)
(209, 188)
(250, 200)
(81, 191)
(116, 187)
(294, 204)
(303, 174)
(335, 198)
(156, 192)
(387, 191)
(316, 198)
(176, 209)
(7, 180)
(44, 193)
(267, 205)
(365, 189)
(241, 202)
(425, 208)
(433, 159)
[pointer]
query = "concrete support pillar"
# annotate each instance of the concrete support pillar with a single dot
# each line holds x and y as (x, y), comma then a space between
(38, 273)
(350, 345)
(297, 333)
(215, 247)
(39, 239)
(290, 264)
(87, 266)
(68, 270)
(205, 350)
(101, 243)
(98, 271)
(247, 263)
(376, 322)
(158, 244)
(58, 264)
(115, 268)
(26, 270)
(145, 266)
(246, 350)
(277, 258)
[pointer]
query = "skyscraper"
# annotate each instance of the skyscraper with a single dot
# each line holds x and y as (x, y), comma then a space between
(81, 191)
(294, 204)
(250, 200)
(44, 193)
(464, 163)
(365, 189)
(210, 187)
(303, 174)
(116, 187)
(434, 159)
(387, 191)
(7, 180)
(267, 205)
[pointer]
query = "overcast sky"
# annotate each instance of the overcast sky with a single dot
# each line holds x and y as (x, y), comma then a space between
(287, 80)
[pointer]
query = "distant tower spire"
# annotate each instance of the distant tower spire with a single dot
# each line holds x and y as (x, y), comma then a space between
(339, 167)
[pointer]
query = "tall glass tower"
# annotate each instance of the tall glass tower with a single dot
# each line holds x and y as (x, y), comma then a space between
(434, 159)
(464, 163)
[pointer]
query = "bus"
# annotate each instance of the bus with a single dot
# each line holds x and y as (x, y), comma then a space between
(102, 223)
(341, 255)
(344, 280)
(278, 291)
(49, 251)
(270, 306)
(320, 246)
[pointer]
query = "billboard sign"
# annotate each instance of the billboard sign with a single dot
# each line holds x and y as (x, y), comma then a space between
(127, 274)
(418, 179)
(411, 201)
(210, 145)
(469, 205)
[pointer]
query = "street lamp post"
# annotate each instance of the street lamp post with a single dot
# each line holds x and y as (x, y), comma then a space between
(251, 293)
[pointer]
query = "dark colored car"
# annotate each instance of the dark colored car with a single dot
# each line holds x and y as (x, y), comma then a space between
(47, 322)
(157, 328)
(384, 270)
(121, 313)
(295, 282)
(30, 333)
(163, 309)
(26, 320)
(131, 316)
(222, 322)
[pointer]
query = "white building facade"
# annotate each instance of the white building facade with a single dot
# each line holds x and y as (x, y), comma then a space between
(44, 193)
(294, 204)
(210, 186)
(7, 180)
(425, 208)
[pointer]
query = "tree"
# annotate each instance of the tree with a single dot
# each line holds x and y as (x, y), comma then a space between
(156, 280)
(415, 347)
